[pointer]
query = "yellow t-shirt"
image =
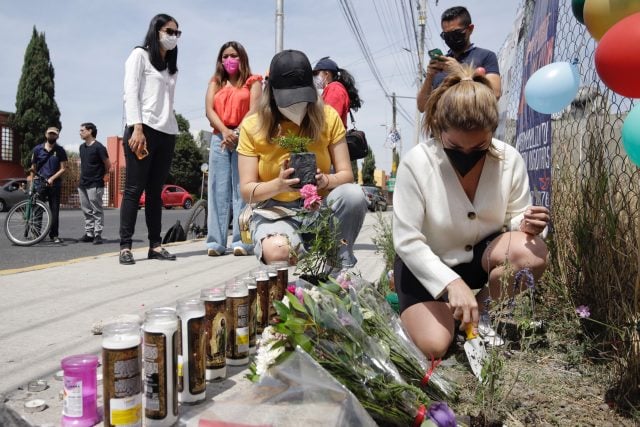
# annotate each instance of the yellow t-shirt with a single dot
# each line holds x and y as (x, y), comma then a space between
(271, 156)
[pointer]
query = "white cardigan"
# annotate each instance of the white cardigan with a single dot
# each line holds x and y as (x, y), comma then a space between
(435, 225)
(149, 94)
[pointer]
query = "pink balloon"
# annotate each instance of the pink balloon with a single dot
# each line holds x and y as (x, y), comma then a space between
(617, 59)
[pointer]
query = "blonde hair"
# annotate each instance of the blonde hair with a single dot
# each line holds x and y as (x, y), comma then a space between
(464, 102)
(269, 117)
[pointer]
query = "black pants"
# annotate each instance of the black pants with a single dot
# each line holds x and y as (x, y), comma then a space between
(52, 194)
(148, 175)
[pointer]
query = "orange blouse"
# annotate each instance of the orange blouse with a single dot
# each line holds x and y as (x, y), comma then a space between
(232, 103)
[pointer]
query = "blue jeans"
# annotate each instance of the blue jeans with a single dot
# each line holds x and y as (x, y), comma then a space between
(223, 197)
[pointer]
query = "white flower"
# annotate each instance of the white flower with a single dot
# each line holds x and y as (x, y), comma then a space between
(267, 356)
(367, 314)
(315, 294)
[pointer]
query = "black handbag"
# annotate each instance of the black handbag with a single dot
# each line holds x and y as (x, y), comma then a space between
(356, 141)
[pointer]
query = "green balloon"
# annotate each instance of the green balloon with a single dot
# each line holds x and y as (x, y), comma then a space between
(631, 135)
(577, 6)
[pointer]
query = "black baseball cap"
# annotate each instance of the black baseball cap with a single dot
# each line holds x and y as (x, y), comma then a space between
(326, 64)
(291, 78)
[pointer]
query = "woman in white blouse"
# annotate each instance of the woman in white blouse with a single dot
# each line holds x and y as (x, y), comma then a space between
(462, 208)
(150, 134)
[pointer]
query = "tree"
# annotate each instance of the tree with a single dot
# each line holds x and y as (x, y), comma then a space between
(354, 169)
(203, 141)
(36, 108)
(368, 167)
(185, 168)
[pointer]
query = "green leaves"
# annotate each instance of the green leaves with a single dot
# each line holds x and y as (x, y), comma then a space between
(292, 142)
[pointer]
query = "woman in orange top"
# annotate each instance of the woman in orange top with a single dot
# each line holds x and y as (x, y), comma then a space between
(232, 93)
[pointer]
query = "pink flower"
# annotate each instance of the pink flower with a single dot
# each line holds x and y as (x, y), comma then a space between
(309, 193)
(583, 311)
(291, 288)
(300, 295)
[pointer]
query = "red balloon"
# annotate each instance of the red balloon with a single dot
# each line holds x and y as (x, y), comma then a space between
(617, 59)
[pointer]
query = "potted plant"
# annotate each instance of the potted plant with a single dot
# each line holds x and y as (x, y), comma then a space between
(302, 161)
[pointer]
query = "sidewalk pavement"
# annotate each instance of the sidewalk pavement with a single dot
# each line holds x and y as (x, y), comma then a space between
(48, 313)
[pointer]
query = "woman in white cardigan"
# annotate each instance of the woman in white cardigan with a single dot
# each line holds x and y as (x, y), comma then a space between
(462, 209)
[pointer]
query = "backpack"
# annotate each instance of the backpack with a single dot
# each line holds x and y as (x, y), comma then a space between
(175, 233)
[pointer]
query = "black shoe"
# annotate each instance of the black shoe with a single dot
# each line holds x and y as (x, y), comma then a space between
(97, 240)
(126, 257)
(162, 254)
(86, 238)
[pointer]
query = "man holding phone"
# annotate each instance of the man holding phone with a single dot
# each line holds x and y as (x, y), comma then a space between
(456, 33)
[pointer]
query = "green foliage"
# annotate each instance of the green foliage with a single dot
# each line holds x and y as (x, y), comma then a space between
(354, 169)
(36, 108)
(320, 234)
(187, 158)
(383, 240)
(368, 167)
(293, 143)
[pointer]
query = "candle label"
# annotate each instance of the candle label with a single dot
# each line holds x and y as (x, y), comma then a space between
(262, 306)
(196, 337)
(253, 315)
(273, 294)
(283, 281)
(72, 398)
(155, 375)
(177, 356)
(122, 386)
(238, 317)
(179, 367)
(216, 326)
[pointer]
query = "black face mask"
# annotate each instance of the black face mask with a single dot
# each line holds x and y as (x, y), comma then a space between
(52, 140)
(456, 40)
(464, 162)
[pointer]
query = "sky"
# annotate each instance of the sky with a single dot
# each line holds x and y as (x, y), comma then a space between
(89, 42)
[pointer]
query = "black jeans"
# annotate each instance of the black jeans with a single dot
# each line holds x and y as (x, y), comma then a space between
(52, 194)
(148, 175)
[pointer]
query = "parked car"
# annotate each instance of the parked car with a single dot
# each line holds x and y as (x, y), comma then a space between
(12, 191)
(172, 195)
(375, 199)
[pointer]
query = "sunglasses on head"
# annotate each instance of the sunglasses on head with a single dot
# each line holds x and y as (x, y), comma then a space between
(456, 31)
(173, 32)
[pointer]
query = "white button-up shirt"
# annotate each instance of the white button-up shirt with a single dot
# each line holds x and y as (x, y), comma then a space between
(149, 94)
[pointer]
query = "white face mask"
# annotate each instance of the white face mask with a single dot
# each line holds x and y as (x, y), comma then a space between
(295, 112)
(318, 81)
(168, 42)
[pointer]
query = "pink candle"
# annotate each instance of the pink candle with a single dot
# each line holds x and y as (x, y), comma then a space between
(80, 405)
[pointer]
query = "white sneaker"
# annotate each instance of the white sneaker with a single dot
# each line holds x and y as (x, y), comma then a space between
(488, 334)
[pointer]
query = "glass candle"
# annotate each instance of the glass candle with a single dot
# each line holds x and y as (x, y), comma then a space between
(122, 374)
(79, 407)
(160, 358)
(216, 330)
(237, 308)
(262, 306)
(192, 388)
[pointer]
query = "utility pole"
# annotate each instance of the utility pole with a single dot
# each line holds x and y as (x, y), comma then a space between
(279, 25)
(394, 166)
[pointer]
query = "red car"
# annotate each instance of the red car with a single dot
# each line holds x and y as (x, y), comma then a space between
(172, 195)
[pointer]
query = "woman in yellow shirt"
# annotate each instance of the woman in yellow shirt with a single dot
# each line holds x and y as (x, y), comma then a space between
(290, 104)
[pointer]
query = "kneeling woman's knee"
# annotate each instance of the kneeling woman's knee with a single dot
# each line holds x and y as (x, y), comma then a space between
(350, 196)
(533, 254)
(275, 248)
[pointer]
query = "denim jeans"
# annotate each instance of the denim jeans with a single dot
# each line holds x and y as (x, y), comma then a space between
(148, 175)
(223, 197)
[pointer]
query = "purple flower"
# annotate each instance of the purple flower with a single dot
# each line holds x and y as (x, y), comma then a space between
(299, 293)
(441, 415)
(583, 311)
(526, 276)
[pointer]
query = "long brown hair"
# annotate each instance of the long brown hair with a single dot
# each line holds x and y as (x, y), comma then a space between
(269, 117)
(464, 102)
(221, 76)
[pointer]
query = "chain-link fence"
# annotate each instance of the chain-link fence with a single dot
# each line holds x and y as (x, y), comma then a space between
(595, 203)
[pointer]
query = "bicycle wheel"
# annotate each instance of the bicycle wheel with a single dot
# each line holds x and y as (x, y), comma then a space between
(196, 226)
(28, 222)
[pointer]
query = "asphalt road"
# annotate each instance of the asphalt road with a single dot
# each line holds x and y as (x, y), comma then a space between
(71, 229)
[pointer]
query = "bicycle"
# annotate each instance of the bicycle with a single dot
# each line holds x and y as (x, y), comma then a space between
(29, 221)
(196, 226)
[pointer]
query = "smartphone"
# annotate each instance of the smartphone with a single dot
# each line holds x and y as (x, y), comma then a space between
(435, 54)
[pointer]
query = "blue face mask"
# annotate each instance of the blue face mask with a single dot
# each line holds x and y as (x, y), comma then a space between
(464, 162)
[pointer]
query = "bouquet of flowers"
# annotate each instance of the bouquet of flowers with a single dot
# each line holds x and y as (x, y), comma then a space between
(319, 322)
(381, 322)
